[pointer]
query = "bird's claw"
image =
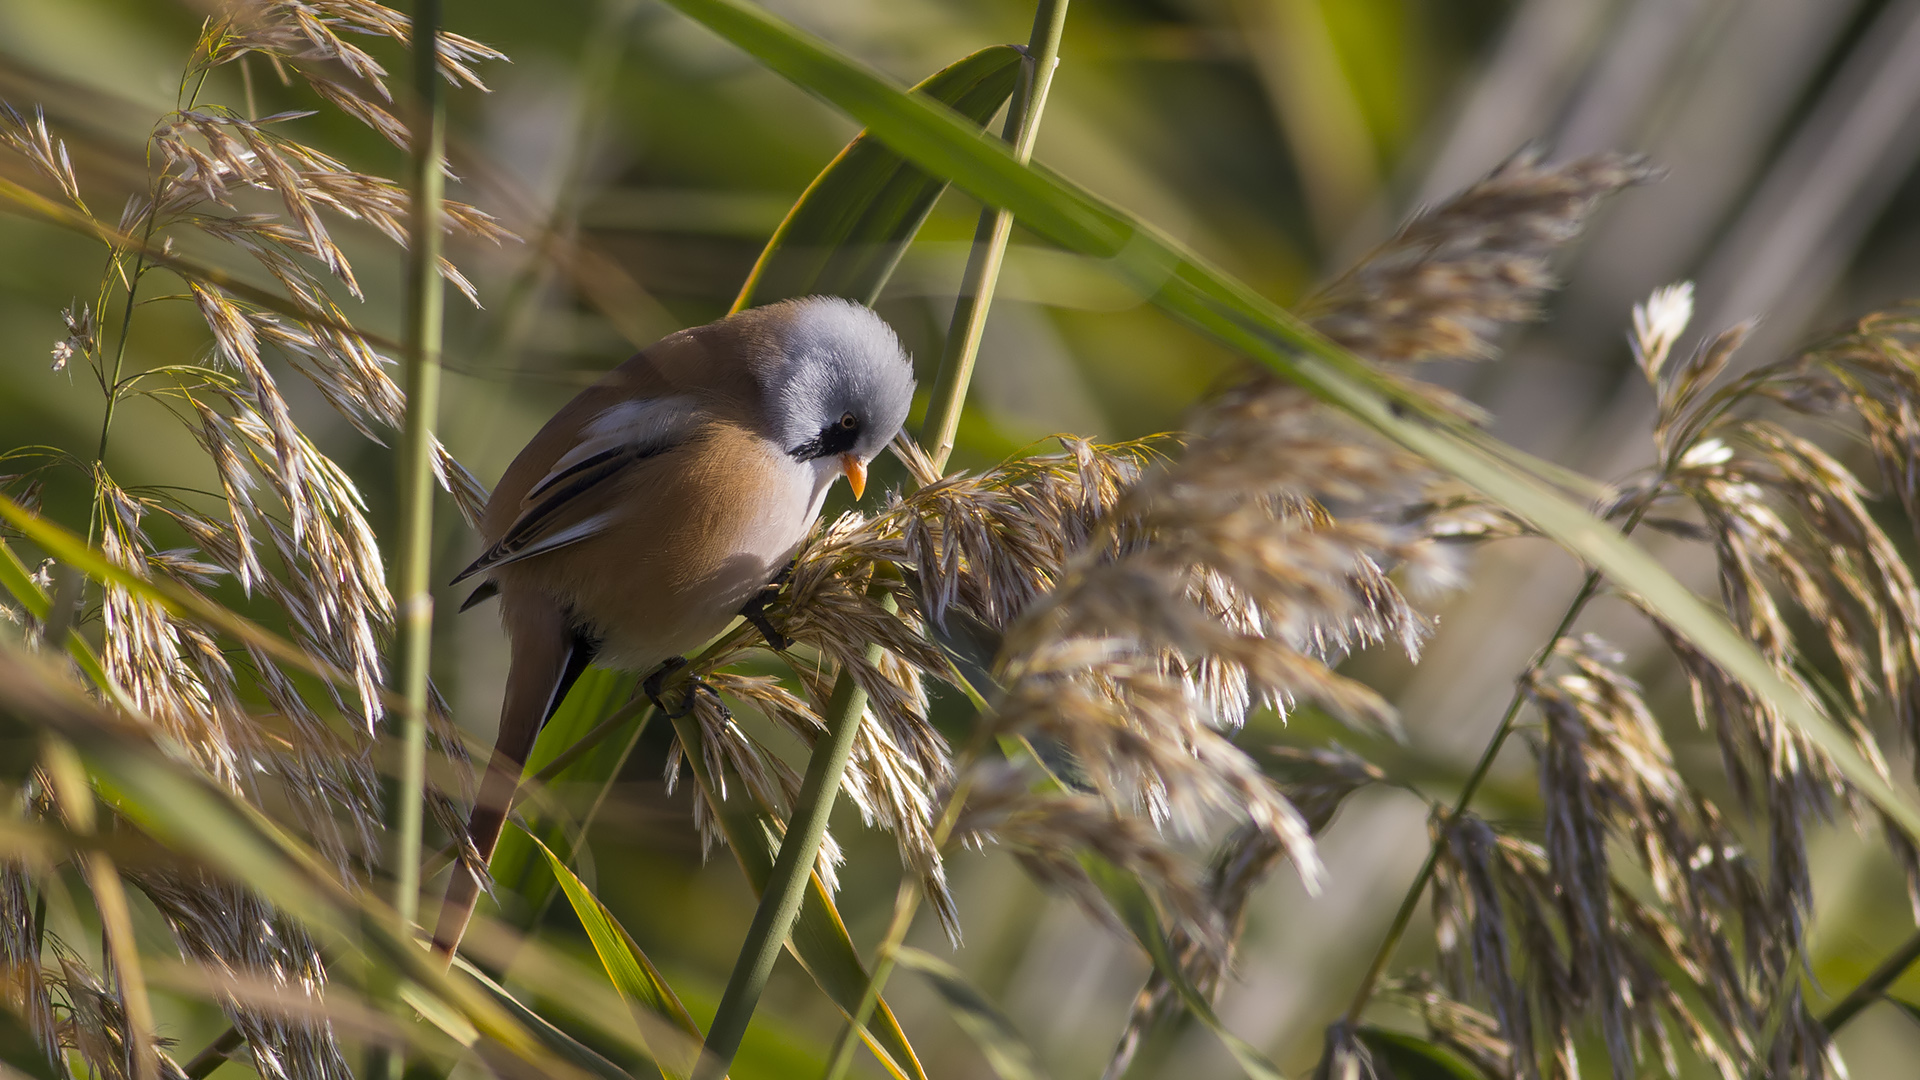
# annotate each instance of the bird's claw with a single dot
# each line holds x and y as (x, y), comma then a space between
(755, 610)
(655, 683)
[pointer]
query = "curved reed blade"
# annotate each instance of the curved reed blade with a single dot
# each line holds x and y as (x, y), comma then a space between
(1000, 1042)
(568, 1047)
(1412, 1058)
(853, 223)
(633, 975)
(176, 599)
(517, 867)
(1136, 911)
(1233, 313)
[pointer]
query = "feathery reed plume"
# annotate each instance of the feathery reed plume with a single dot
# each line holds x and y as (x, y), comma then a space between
(1445, 283)
(1463, 1029)
(242, 936)
(95, 1024)
(1216, 581)
(1317, 782)
(978, 548)
(289, 526)
(23, 982)
(1809, 574)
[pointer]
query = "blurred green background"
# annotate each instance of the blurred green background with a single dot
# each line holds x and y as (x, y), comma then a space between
(1280, 138)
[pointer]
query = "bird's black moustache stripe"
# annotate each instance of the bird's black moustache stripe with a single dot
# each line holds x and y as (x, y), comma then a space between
(835, 439)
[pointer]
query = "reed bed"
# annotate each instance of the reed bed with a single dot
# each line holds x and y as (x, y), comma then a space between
(197, 703)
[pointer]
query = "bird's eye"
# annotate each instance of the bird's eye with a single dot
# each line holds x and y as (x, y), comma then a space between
(849, 421)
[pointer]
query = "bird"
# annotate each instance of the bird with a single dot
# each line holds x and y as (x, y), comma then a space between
(659, 504)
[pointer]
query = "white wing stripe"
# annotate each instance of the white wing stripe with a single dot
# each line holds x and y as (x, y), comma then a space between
(647, 423)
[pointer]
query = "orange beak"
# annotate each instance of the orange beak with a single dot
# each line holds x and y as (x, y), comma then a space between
(856, 471)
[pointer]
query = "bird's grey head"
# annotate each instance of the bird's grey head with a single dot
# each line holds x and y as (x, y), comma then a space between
(840, 384)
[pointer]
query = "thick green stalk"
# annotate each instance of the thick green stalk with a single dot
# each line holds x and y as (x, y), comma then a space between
(215, 1055)
(424, 299)
(780, 903)
(412, 584)
(990, 243)
(942, 422)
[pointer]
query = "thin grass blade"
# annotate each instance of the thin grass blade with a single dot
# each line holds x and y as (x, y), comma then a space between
(568, 1047)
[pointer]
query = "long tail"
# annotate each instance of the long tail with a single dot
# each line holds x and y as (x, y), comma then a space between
(548, 656)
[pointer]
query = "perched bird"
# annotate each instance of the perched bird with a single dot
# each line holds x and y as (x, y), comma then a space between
(655, 506)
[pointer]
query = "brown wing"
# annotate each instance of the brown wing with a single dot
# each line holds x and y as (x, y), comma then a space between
(564, 487)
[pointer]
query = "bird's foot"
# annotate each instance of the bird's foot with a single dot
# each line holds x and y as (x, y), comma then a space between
(655, 684)
(755, 610)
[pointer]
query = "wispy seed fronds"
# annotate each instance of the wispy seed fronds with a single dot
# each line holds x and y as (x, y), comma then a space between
(34, 142)
(1497, 898)
(1607, 776)
(1658, 324)
(231, 930)
(310, 38)
(1316, 782)
(1048, 831)
(983, 547)
(1461, 1028)
(1446, 283)
(210, 155)
(1218, 580)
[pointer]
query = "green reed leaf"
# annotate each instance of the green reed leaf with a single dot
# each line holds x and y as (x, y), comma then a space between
(518, 869)
(1137, 913)
(1408, 1058)
(1002, 1044)
(1233, 313)
(848, 230)
(187, 812)
(633, 975)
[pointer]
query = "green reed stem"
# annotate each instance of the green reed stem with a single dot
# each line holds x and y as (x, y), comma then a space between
(780, 903)
(937, 434)
(1411, 901)
(989, 251)
(906, 903)
(424, 301)
(1874, 986)
(215, 1055)
(414, 548)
